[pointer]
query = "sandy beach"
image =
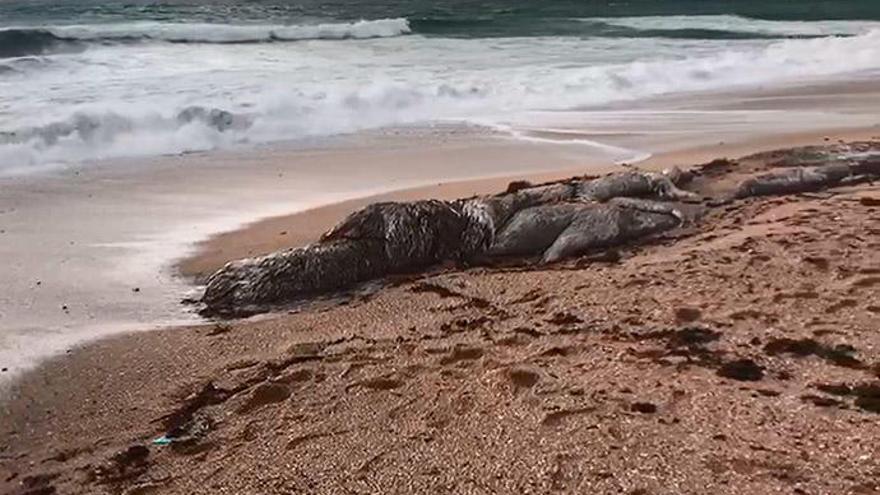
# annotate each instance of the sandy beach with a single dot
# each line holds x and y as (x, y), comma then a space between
(598, 376)
(439, 247)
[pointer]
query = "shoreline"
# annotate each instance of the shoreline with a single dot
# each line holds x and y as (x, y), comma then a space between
(578, 358)
(115, 259)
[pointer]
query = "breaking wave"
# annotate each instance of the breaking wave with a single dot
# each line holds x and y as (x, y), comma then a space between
(17, 42)
(24, 41)
(739, 24)
(231, 113)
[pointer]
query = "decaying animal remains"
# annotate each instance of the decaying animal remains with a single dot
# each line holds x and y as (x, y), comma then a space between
(547, 223)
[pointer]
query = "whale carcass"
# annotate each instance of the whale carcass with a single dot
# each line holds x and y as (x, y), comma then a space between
(544, 223)
(549, 222)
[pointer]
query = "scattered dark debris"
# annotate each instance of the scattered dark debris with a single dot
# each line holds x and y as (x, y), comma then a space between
(643, 407)
(208, 395)
(820, 401)
(188, 435)
(691, 337)
(742, 370)
(688, 342)
(840, 355)
(867, 395)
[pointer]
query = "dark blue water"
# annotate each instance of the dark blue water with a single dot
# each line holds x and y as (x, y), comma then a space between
(21, 21)
(446, 17)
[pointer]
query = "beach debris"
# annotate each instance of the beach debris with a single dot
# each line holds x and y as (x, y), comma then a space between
(189, 423)
(541, 224)
(163, 440)
(191, 431)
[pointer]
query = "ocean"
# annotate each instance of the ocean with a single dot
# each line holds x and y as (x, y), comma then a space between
(82, 80)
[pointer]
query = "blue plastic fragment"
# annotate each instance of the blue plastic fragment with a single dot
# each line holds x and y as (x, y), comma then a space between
(163, 440)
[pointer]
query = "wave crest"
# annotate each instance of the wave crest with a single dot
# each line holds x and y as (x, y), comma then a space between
(739, 24)
(18, 42)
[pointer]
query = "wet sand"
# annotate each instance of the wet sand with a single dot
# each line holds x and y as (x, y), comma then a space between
(93, 247)
(737, 356)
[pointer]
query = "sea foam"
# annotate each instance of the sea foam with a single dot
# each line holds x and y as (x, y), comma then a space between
(113, 101)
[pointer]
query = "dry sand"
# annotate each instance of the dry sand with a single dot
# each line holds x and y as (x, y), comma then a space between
(738, 356)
